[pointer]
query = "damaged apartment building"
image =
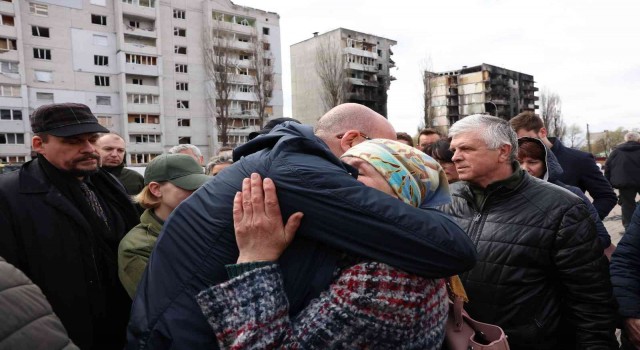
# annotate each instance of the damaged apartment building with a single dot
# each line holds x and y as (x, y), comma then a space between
(337, 67)
(452, 95)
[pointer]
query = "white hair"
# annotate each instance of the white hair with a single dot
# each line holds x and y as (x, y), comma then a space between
(494, 131)
(184, 147)
(632, 136)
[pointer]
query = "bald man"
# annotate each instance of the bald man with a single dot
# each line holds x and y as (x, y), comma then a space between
(341, 215)
(111, 148)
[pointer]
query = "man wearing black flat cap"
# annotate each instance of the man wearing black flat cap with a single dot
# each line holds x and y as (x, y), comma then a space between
(61, 220)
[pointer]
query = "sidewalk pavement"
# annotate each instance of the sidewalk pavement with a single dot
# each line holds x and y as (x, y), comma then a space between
(613, 222)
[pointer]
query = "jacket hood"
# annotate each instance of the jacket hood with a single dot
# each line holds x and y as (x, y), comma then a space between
(553, 169)
(629, 146)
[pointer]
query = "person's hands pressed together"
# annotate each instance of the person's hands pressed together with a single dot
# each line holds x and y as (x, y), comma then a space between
(260, 232)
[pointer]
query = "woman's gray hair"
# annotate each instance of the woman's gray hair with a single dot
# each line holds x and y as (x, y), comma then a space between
(632, 136)
(494, 131)
(183, 147)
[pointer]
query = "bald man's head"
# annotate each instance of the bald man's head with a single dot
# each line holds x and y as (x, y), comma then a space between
(111, 149)
(348, 124)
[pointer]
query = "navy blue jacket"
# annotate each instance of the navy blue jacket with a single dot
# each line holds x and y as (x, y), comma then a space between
(553, 173)
(341, 215)
(580, 170)
(625, 270)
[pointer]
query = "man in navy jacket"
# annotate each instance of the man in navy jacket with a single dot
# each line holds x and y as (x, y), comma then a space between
(580, 169)
(341, 216)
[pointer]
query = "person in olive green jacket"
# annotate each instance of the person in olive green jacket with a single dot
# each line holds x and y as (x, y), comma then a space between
(169, 179)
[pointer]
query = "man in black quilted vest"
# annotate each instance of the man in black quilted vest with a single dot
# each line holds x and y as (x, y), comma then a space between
(541, 274)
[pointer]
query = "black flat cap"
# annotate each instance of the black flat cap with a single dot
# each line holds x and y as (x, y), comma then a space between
(65, 119)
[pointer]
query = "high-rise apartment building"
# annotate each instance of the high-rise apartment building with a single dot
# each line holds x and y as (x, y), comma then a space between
(140, 65)
(340, 66)
(452, 95)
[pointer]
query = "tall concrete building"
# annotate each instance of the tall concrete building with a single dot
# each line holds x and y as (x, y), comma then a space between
(354, 65)
(452, 95)
(138, 64)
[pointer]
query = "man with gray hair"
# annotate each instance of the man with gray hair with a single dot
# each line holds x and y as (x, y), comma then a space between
(541, 274)
(622, 169)
(189, 150)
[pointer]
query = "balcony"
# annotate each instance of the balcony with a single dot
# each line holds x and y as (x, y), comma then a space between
(137, 10)
(141, 147)
(144, 128)
(242, 79)
(140, 48)
(362, 82)
(7, 7)
(359, 52)
(244, 96)
(141, 69)
(146, 33)
(243, 113)
(8, 31)
(358, 96)
(143, 108)
(9, 55)
(362, 67)
(143, 89)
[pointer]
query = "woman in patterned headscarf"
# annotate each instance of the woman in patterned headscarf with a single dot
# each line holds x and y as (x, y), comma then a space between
(369, 304)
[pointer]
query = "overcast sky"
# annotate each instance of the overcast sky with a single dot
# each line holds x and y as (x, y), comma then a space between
(587, 51)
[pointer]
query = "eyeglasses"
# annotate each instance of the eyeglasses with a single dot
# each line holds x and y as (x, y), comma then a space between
(364, 136)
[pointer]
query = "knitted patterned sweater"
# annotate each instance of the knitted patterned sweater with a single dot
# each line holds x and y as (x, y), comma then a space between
(369, 306)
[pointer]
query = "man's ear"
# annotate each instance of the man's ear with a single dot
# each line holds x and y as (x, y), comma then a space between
(505, 153)
(348, 139)
(37, 144)
(542, 133)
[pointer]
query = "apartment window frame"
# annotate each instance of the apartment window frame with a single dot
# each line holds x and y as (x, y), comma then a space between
(99, 60)
(41, 10)
(182, 86)
(4, 22)
(10, 114)
(143, 158)
(9, 67)
(13, 159)
(266, 30)
(179, 14)
(143, 99)
(42, 76)
(11, 138)
(40, 32)
(181, 68)
(102, 80)
(137, 81)
(9, 90)
(145, 60)
(180, 32)
(184, 140)
(179, 50)
(41, 54)
(184, 122)
(105, 120)
(244, 56)
(45, 97)
(182, 104)
(143, 118)
(145, 138)
(100, 20)
(266, 46)
(103, 100)
(10, 44)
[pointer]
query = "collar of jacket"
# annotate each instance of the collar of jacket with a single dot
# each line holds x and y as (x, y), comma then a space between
(509, 184)
(152, 222)
(114, 170)
(557, 147)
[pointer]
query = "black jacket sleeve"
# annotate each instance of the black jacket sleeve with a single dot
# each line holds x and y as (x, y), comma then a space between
(625, 270)
(592, 181)
(583, 272)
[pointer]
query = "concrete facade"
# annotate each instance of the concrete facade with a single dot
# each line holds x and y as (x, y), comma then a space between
(366, 60)
(138, 64)
(479, 89)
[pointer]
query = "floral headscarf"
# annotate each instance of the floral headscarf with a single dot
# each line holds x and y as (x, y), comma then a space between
(414, 177)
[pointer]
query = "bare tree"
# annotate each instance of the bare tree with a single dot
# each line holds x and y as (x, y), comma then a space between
(551, 113)
(574, 136)
(220, 66)
(332, 71)
(262, 64)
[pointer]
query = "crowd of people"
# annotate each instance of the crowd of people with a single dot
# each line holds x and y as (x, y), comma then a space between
(344, 234)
